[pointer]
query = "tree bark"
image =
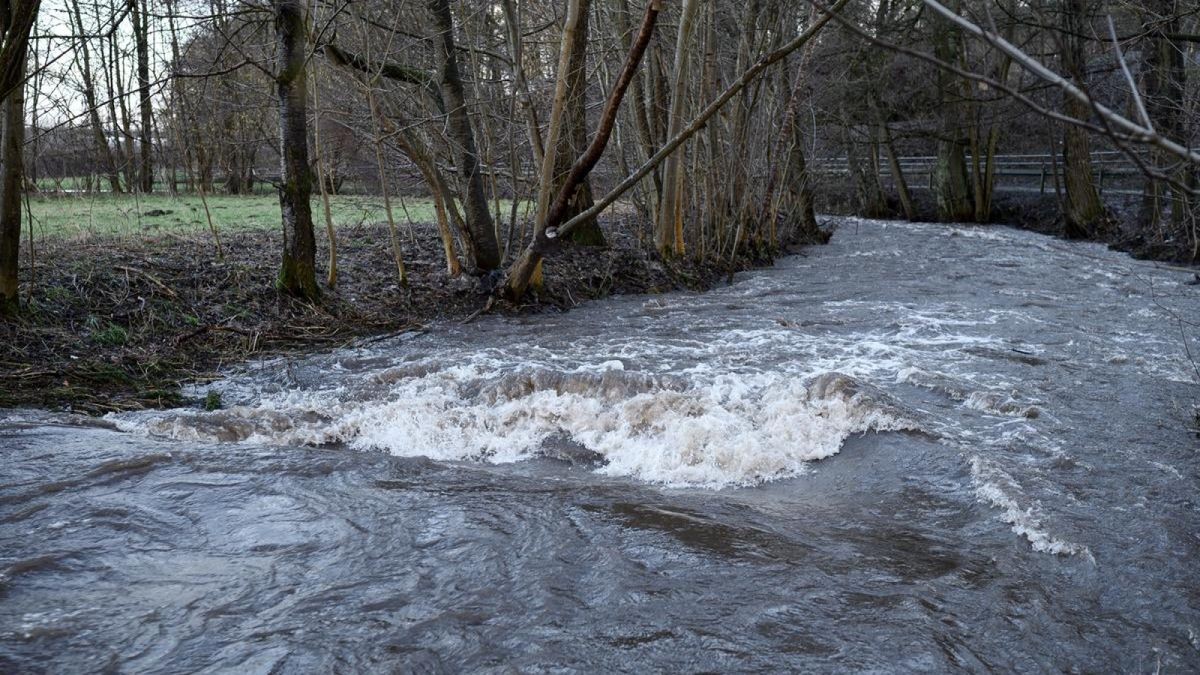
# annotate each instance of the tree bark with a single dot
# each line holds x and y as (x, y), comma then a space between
(516, 52)
(484, 248)
(952, 186)
(1084, 210)
(522, 271)
(17, 22)
(141, 30)
(99, 138)
(297, 272)
(573, 139)
(670, 213)
(1164, 87)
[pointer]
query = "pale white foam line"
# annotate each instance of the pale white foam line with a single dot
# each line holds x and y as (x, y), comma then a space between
(990, 487)
(736, 430)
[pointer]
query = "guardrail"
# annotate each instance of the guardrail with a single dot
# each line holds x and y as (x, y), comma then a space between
(1107, 164)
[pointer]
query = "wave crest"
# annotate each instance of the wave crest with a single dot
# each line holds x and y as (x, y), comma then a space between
(734, 430)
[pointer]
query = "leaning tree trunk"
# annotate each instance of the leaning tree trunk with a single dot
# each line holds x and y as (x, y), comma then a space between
(485, 250)
(521, 273)
(550, 184)
(670, 214)
(1084, 210)
(297, 272)
(573, 138)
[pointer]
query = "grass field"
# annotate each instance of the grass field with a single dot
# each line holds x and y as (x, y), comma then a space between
(86, 215)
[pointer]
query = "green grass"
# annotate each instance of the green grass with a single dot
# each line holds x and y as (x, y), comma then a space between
(110, 335)
(138, 215)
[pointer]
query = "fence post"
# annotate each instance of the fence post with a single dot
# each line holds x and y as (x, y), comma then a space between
(1042, 185)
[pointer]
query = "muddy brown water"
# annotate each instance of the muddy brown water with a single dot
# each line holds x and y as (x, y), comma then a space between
(918, 448)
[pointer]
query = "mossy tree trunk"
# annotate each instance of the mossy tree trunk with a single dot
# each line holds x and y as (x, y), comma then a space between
(16, 21)
(297, 272)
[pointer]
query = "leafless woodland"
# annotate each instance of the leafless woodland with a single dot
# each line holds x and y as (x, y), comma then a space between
(712, 121)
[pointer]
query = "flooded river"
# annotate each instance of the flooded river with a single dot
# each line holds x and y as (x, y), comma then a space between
(918, 448)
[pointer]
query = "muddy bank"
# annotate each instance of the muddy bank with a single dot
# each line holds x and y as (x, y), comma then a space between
(119, 323)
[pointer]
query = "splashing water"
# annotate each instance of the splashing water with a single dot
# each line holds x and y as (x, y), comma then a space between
(918, 448)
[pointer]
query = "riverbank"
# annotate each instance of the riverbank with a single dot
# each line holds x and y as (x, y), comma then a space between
(1036, 212)
(121, 323)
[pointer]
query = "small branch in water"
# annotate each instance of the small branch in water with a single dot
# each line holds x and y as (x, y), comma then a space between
(486, 309)
(411, 328)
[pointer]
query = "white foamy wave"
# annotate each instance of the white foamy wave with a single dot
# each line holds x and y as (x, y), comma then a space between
(732, 430)
(998, 489)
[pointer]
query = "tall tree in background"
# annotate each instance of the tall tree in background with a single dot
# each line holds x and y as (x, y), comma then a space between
(87, 77)
(483, 244)
(951, 184)
(1164, 88)
(141, 36)
(297, 273)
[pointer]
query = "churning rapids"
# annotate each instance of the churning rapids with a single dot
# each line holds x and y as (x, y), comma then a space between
(920, 447)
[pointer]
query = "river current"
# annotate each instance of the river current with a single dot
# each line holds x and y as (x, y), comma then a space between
(921, 447)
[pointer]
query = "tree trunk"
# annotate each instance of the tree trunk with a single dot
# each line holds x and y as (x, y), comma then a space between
(141, 29)
(516, 52)
(485, 250)
(1163, 91)
(297, 272)
(670, 213)
(412, 146)
(331, 270)
(1084, 210)
(952, 186)
(523, 270)
(637, 110)
(573, 139)
(130, 163)
(871, 203)
(889, 146)
(799, 182)
(12, 181)
(99, 138)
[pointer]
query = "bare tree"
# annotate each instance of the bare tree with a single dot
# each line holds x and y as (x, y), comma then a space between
(484, 247)
(16, 21)
(297, 272)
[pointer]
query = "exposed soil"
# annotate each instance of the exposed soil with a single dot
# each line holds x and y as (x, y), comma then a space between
(113, 324)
